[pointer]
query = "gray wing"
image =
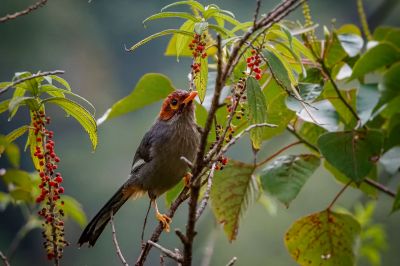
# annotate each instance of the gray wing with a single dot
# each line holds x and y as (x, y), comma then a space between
(142, 155)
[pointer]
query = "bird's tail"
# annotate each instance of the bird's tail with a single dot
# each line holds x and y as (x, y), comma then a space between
(96, 226)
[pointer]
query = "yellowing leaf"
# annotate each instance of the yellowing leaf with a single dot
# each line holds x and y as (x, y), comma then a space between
(325, 238)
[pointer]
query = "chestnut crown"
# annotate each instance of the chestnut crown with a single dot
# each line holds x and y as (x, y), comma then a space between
(175, 103)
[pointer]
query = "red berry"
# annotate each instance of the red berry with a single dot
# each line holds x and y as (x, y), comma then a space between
(248, 60)
(57, 159)
(60, 190)
(258, 76)
(58, 179)
(38, 139)
(41, 174)
(52, 183)
(253, 51)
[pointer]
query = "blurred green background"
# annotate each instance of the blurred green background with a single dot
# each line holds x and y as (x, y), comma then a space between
(86, 39)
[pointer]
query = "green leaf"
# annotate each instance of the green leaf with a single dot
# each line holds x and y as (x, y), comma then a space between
(80, 114)
(13, 155)
(257, 110)
(226, 18)
(4, 105)
(232, 190)
(200, 27)
(20, 194)
(311, 132)
(384, 54)
(364, 187)
(16, 133)
(173, 193)
(33, 143)
(159, 34)
(325, 238)
(396, 202)
(221, 30)
(334, 53)
(18, 92)
(308, 92)
(389, 85)
(5, 198)
(73, 209)
(61, 81)
(18, 178)
(15, 103)
(367, 99)
(201, 78)
(354, 153)
(277, 112)
(286, 175)
(182, 41)
(151, 88)
(171, 15)
(193, 4)
(388, 34)
(322, 114)
(278, 69)
(351, 43)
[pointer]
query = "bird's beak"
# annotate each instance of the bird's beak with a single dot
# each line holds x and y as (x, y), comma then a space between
(191, 96)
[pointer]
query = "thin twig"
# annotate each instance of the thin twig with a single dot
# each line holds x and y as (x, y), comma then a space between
(339, 194)
(258, 6)
(169, 253)
(181, 235)
(4, 259)
(206, 197)
(145, 222)
(277, 153)
(232, 261)
(39, 74)
(23, 12)
(380, 187)
(189, 163)
(114, 237)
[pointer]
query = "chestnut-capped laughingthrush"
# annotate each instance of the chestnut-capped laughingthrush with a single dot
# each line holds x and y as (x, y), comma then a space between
(157, 164)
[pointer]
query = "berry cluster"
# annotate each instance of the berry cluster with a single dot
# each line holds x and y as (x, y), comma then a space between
(50, 188)
(236, 101)
(254, 63)
(198, 46)
(221, 162)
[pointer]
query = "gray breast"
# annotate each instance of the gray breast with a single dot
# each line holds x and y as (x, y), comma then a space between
(179, 138)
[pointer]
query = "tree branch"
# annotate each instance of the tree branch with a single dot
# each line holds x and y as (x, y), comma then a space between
(39, 74)
(204, 201)
(31, 8)
(114, 237)
(169, 253)
(277, 153)
(232, 261)
(4, 259)
(380, 187)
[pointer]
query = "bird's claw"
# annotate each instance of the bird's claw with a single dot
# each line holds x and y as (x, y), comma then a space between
(186, 179)
(165, 220)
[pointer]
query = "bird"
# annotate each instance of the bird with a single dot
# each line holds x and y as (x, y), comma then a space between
(157, 164)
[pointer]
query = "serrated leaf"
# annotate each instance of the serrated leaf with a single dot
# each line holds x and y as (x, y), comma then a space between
(286, 175)
(13, 154)
(201, 78)
(257, 110)
(81, 115)
(173, 193)
(325, 238)
(193, 4)
(61, 81)
(354, 153)
(73, 209)
(151, 88)
(182, 41)
(159, 34)
(384, 54)
(16, 133)
(171, 15)
(232, 190)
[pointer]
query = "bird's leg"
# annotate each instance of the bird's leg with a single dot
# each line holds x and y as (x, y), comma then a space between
(164, 219)
(187, 178)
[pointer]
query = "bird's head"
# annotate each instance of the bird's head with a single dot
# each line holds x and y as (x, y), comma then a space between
(177, 103)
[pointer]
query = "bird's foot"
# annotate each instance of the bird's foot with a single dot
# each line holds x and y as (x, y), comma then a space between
(187, 178)
(165, 220)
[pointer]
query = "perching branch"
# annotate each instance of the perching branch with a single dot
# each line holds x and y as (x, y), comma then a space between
(223, 72)
(206, 197)
(31, 8)
(4, 259)
(114, 236)
(39, 74)
(169, 253)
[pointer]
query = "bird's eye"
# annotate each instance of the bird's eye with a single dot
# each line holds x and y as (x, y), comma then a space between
(174, 104)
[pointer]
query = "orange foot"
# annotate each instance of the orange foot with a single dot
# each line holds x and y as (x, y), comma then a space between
(186, 179)
(164, 219)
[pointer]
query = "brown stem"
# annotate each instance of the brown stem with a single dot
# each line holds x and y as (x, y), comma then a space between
(4, 259)
(339, 194)
(39, 74)
(114, 237)
(23, 12)
(277, 153)
(380, 187)
(169, 253)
